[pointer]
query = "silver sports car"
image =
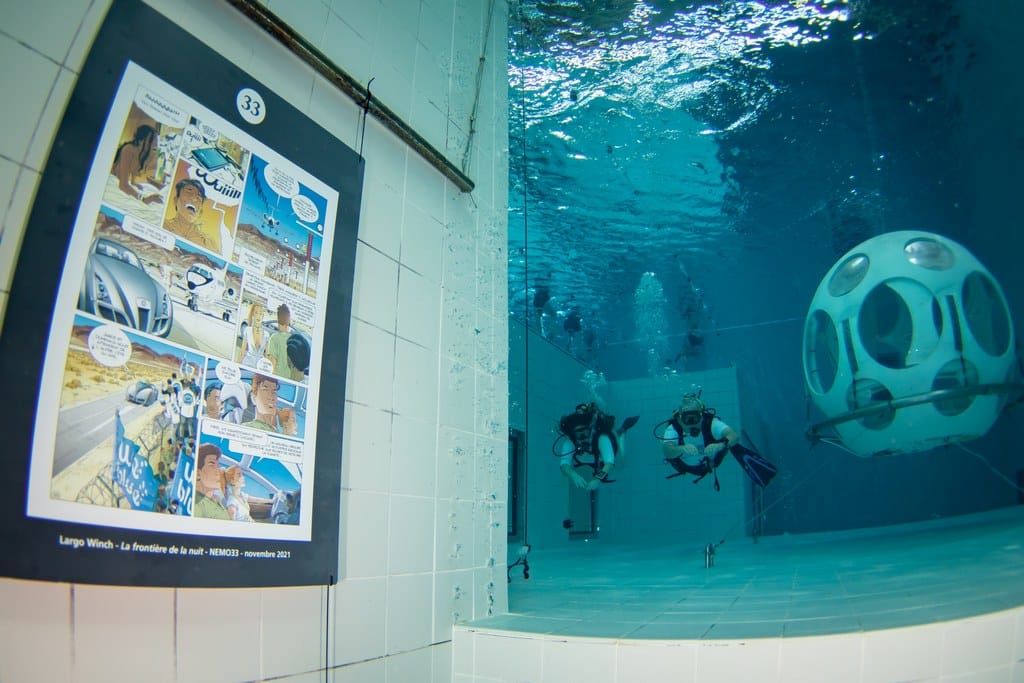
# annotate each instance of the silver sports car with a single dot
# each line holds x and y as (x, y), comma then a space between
(117, 288)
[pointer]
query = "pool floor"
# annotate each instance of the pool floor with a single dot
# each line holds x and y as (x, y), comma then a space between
(779, 586)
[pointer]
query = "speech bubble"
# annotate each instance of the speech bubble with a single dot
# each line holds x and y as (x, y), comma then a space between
(305, 209)
(228, 372)
(265, 366)
(281, 449)
(280, 181)
(159, 109)
(193, 138)
(252, 261)
(150, 233)
(110, 346)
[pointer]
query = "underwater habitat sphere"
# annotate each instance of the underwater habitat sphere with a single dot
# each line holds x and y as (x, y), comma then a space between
(908, 345)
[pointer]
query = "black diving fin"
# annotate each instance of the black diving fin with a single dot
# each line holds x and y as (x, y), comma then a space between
(627, 424)
(757, 468)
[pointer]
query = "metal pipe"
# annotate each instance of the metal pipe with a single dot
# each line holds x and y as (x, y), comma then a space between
(917, 399)
(305, 51)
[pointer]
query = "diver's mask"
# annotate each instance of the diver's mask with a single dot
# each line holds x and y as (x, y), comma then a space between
(690, 419)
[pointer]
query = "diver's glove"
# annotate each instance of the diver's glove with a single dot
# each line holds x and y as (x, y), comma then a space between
(577, 481)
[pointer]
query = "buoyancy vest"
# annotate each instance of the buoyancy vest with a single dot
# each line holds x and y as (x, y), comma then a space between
(707, 417)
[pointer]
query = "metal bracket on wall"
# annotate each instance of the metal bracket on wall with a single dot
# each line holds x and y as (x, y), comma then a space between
(298, 45)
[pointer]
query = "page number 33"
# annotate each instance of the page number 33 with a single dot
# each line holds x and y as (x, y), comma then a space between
(250, 105)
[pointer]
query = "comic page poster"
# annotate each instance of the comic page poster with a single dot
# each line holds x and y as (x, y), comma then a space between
(180, 388)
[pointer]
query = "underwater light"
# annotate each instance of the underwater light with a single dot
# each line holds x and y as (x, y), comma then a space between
(908, 345)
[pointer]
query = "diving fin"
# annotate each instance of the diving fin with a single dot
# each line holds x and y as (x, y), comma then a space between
(626, 424)
(757, 468)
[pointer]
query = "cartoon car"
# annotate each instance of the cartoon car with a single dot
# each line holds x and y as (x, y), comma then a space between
(142, 393)
(117, 288)
(207, 287)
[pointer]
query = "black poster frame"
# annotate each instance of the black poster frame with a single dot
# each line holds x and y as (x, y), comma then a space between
(34, 547)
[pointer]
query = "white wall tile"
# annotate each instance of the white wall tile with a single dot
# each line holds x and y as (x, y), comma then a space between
(395, 42)
(380, 220)
(656, 662)
(203, 617)
(416, 665)
(454, 534)
(416, 381)
(409, 612)
(85, 35)
(337, 113)
(831, 658)
(414, 457)
(371, 366)
(366, 460)
(53, 111)
(458, 320)
(425, 187)
(738, 660)
(456, 395)
(579, 660)
(364, 526)
(139, 620)
(419, 309)
(359, 619)
(973, 645)
(410, 535)
(488, 582)
(346, 47)
(442, 662)
(421, 243)
(507, 658)
(35, 612)
(455, 466)
(375, 292)
(32, 80)
(8, 176)
(292, 625)
(48, 26)
(902, 654)
(307, 17)
(363, 16)
(453, 601)
(363, 672)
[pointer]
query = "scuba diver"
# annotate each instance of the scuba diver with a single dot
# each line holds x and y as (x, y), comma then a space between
(695, 442)
(589, 439)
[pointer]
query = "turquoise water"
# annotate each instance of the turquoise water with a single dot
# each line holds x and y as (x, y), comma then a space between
(683, 174)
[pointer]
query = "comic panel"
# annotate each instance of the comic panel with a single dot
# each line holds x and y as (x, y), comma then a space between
(201, 209)
(257, 402)
(280, 228)
(145, 156)
(234, 484)
(205, 290)
(285, 344)
(142, 278)
(128, 411)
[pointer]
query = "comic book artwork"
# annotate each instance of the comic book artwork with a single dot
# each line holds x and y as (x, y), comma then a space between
(191, 366)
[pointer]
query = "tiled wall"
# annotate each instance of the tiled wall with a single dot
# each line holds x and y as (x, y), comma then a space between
(423, 500)
(977, 649)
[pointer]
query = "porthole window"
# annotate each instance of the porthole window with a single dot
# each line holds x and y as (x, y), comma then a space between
(821, 347)
(848, 275)
(985, 313)
(929, 253)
